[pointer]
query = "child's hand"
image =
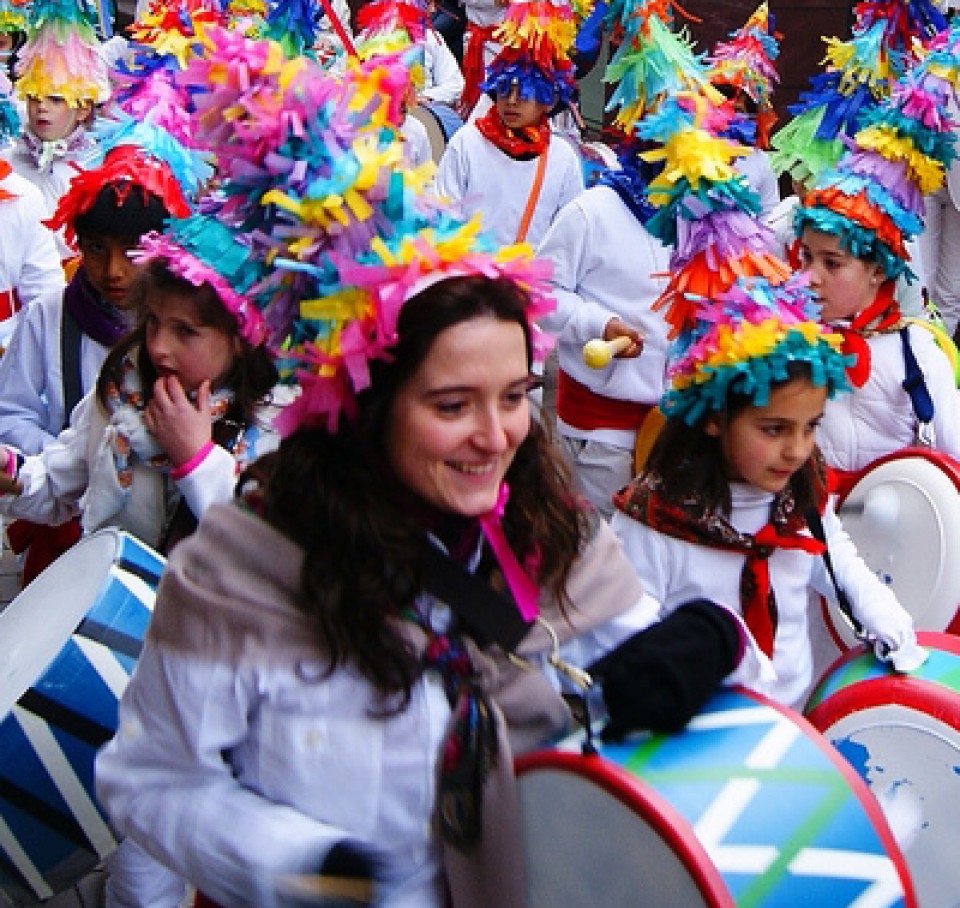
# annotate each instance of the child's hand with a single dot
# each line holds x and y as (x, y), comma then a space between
(890, 631)
(616, 328)
(181, 426)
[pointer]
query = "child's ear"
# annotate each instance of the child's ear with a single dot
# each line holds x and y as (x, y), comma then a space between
(713, 426)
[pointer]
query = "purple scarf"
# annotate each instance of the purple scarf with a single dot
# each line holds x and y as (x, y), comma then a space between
(94, 315)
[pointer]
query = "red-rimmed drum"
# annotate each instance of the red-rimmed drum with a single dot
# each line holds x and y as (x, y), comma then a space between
(902, 735)
(747, 806)
(903, 514)
(68, 644)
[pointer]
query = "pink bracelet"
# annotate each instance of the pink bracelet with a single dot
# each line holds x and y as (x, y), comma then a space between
(10, 463)
(186, 468)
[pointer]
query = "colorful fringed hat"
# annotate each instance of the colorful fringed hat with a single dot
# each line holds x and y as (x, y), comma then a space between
(9, 117)
(134, 157)
(859, 75)
(13, 16)
(313, 183)
(873, 198)
(536, 38)
(62, 54)
(202, 250)
(746, 63)
(397, 30)
(744, 343)
(707, 211)
(651, 63)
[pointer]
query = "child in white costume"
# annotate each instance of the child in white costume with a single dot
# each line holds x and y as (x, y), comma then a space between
(506, 165)
(62, 77)
(140, 453)
(723, 503)
(607, 272)
(853, 226)
(29, 263)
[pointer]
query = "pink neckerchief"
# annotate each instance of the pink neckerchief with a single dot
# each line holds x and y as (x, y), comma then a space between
(525, 592)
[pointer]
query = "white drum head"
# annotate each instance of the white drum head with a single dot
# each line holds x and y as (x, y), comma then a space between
(36, 625)
(904, 517)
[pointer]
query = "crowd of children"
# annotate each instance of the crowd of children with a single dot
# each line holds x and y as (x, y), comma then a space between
(246, 321)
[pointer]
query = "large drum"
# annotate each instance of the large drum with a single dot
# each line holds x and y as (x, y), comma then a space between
(747, 806)
(903, 514)
(68, 644)
(441, 122)
(902, 735)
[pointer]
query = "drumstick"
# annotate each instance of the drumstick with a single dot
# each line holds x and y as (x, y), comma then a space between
(598, 352)
(321, 886)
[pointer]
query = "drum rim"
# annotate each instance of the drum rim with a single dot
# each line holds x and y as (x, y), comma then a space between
(946, 463)
(653, 807)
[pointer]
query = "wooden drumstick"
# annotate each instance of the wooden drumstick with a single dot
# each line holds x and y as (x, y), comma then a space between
(317, 887)
(597, 353)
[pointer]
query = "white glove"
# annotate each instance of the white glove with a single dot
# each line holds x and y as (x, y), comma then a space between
(888, 626)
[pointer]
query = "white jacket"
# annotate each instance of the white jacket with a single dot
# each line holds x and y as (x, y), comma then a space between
(605, 265)
(878, 418)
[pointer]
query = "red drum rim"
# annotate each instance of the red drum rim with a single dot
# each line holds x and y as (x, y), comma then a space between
(675, 829)
(655, 810)
(946, 463)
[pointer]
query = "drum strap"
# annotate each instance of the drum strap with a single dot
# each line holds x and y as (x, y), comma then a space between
(70, 364)
(915, 385)
(815, 522)
(489, 616)
(534, 196)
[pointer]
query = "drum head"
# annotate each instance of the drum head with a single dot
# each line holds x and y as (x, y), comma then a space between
(34, 627)
(902, 735)
(904, 517)
(438, 141)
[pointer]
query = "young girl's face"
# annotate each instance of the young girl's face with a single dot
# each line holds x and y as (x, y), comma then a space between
(457, 422)
(845, 285)
(764, 446)
(517, 112)
(51, 118)
(180, 345)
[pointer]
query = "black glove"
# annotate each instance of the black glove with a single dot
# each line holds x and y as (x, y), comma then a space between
(659, 678)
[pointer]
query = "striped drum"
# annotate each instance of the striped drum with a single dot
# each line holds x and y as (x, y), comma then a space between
(68, 644)
(748, 806)
(902, 735)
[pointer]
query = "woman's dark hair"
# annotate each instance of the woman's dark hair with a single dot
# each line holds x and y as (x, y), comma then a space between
(334, 495)
(691, 465)
(251, 376)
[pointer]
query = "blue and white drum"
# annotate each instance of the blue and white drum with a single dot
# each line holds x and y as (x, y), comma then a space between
(901, 732)
(748, 806)
(68, 644)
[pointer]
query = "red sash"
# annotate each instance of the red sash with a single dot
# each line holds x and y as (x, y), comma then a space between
(582, 408)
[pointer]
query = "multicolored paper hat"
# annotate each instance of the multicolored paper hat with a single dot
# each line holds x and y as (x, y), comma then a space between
(397, 30)
(9, 117)
(744, 343)
(707, 211)
(859, 75)
(313, 182)
(746, 63)
(652, 62)
(536, 38)
(61, 56)
(202, 250)
(873, 199)
(13, 16)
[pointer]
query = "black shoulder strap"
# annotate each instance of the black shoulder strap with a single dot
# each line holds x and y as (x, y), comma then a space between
(815, 523)
(70, 339)
(489, 616)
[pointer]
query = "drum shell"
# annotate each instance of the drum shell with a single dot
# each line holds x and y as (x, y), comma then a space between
(747, 806)
(68, 644)
(901, 733)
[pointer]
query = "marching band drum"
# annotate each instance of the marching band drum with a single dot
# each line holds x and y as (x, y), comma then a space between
(68, 644)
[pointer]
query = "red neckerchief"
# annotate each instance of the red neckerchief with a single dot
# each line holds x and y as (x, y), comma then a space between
(689, 520)
(882, 315)
(522, 144)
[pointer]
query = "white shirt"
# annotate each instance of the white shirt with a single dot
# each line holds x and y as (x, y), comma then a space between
(443, 80)
(605, 265)
(478, 177)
